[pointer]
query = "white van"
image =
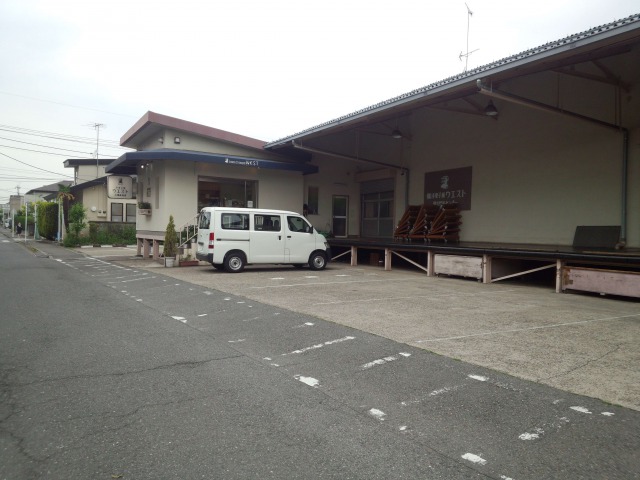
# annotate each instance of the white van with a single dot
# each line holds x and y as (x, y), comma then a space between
(231, 238)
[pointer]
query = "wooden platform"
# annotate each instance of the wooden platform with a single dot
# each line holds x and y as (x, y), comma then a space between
(494, 262)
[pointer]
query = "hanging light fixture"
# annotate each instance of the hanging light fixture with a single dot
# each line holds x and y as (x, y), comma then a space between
(396, 133)
(490, 110)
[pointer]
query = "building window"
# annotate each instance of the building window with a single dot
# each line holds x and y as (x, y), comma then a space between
(313, 195)
(227, 192)
(131, 213)
(116, 212)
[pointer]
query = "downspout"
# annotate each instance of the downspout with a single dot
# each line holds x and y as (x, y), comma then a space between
(509, 97)
(625, 177)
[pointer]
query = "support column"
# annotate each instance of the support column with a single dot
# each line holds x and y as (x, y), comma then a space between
(559, 267)
(138, 247)
(430, 264)
(486, 268)
(146, 249)
(387, 259)
(156, 249)
(354, 256)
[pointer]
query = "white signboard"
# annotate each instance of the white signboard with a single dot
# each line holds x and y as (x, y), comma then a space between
(119, 187)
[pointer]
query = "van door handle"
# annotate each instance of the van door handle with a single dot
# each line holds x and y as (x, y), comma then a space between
(288, 236)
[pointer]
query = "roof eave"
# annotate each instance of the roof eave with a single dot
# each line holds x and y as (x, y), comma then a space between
(624, 29)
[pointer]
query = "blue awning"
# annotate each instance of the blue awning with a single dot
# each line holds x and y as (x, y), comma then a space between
(127, 163)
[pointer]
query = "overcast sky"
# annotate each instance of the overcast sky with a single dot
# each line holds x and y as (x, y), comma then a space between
(261, 68)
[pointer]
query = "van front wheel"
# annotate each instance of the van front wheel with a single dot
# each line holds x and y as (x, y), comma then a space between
(234, 262)
(317, 261)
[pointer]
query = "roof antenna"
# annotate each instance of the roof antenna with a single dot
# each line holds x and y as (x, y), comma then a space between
(466, 55)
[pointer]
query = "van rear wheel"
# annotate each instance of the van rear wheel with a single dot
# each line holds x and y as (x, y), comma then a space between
(317, 261)
(234, 262)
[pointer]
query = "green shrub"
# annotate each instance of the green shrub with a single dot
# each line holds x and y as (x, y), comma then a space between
(48, 220)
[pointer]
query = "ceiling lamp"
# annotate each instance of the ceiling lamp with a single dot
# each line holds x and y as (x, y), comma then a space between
(490, 110)
(396, 133)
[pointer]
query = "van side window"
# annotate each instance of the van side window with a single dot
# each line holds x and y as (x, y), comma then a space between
(266, 223)
(235, 221)
(298, 224)
(205, 220)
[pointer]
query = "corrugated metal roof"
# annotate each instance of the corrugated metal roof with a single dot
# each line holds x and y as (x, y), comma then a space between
(465, 76)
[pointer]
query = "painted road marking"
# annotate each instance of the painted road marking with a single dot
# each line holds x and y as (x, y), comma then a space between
(378, 414)
(312, 382)
(474, 458)
(320, 345)
(382, 361)
(556, 325)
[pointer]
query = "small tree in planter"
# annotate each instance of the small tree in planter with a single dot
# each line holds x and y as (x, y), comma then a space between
(170, 242)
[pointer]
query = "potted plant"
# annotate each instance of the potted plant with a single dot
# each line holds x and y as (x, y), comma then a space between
(144, 208)
(170, 243)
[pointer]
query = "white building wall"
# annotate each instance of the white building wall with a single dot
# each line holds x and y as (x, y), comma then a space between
(536, 176)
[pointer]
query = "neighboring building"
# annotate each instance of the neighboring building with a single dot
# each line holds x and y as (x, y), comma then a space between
(183, 166)
(46, 192)
(106, 198)
(15, 204)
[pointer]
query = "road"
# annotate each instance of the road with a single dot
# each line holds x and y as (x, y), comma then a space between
(112, 372)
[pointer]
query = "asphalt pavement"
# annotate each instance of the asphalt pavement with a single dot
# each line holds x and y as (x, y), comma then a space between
(547, 385)
(582, 343)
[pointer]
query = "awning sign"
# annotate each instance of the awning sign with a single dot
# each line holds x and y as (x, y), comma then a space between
(119, 187)
(448, 186)
(242, 162)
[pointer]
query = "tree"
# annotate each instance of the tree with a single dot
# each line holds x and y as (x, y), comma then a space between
(170, 239)
(77, 219)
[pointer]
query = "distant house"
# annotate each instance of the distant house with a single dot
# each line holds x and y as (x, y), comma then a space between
(46, 192)
(107, 198)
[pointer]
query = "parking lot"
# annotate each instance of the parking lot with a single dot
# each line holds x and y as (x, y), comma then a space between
(585, 344)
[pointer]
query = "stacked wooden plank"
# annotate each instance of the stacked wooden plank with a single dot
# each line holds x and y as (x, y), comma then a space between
(430, 222)
(421, 228)
(446, 224)
(406, 223)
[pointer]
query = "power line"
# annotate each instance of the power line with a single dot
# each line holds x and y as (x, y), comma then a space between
(58, 136)
(40, 151)
(40, 145)
(32, 166)
(66, 104)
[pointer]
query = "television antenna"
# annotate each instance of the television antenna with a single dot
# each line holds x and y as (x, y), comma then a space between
(97, 127)
(466, 55)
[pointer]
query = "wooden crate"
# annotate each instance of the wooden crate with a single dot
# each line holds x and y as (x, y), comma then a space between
(458, 265)
(613, 282)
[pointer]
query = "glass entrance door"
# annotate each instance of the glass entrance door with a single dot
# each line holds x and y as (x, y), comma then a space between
(339, 217)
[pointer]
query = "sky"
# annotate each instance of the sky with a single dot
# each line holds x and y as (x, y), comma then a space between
(77, 74)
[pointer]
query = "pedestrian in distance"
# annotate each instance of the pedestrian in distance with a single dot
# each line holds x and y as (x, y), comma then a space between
(19, 228)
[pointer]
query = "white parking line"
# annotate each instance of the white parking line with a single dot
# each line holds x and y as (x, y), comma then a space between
(555, 325)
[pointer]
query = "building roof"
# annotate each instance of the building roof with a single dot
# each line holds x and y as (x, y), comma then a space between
(609, 37)
(51, 188)
(151, 123)
(80, 162)
(127, 162)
